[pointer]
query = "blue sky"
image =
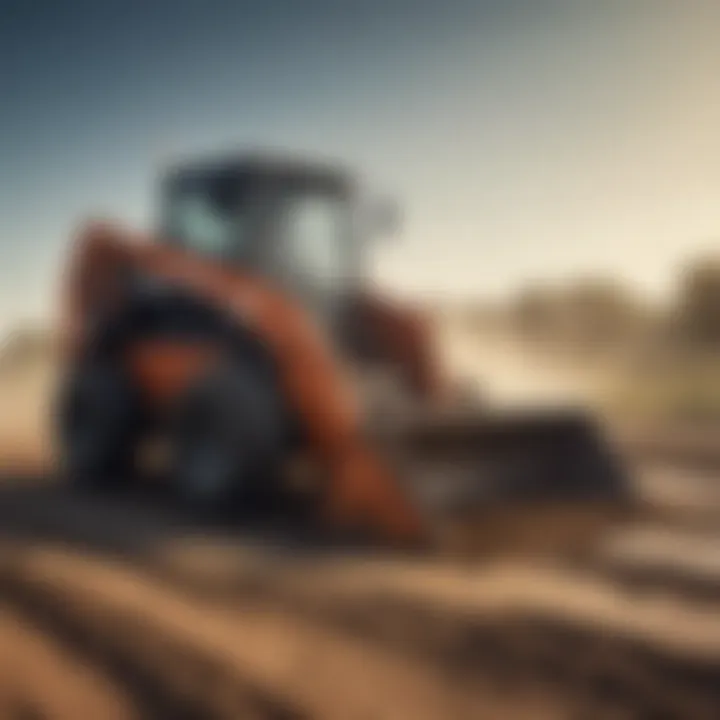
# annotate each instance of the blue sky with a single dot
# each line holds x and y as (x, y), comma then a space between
(525, 139)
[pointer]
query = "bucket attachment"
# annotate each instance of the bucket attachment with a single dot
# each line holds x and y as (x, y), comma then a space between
(529, 481)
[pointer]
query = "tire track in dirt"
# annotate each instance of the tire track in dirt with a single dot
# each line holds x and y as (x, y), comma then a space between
(43, 678)
(154, 690)
(455, 629)
(654, 558)
(568, 633)
(572, 667)
(207, 653)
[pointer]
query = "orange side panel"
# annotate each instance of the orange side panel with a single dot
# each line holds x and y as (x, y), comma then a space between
(405, 339)
(361, 490)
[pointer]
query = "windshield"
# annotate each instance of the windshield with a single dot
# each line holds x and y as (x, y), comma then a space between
(298, 233)
(207, 216)
(314, 241)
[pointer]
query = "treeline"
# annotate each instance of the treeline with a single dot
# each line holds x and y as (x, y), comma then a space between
(696, 315)
(597, 313)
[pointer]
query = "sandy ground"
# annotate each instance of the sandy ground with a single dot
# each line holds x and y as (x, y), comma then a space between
(154, 610)
(25, 417)
(41, 677)
(508, 376)
(122, 607)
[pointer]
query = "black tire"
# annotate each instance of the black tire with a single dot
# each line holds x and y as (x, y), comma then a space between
(228, 435)
(96, 427)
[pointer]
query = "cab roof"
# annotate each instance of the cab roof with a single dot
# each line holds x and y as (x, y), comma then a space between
(264, 166)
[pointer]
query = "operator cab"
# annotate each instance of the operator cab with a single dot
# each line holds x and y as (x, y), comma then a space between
(288, 221)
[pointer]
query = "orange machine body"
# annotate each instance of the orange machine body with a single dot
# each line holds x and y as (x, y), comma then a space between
(361, 490)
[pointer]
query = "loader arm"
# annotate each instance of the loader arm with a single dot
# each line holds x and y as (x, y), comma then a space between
(400, 336)
(360, 490)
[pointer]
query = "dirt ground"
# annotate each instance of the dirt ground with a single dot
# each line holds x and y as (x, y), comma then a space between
(123, 607)
(41, 677)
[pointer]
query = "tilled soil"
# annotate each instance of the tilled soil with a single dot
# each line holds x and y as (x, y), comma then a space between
(45, 678)
(248, 659)
(118, 608)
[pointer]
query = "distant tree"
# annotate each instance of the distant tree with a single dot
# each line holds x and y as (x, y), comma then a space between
(697, 314)
(599, 311)
(536, 312)
(587, 313)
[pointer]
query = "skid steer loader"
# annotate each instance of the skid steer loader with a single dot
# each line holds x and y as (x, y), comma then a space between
(246, 335)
